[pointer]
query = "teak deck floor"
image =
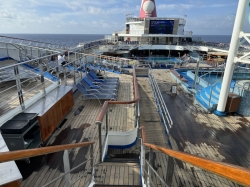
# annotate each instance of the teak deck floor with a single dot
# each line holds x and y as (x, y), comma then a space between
(81, 127)
(196, 132)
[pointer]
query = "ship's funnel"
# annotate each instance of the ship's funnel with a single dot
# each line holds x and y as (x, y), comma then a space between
(148, 9)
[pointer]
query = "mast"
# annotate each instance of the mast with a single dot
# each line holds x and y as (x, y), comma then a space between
(232, 54)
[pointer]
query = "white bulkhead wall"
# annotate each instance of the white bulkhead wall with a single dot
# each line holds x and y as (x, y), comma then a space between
(180, 30)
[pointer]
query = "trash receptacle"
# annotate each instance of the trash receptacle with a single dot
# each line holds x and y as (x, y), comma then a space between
(233, 102)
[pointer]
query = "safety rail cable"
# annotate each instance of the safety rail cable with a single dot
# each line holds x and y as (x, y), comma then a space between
(232, 172)
(61, 176)
(146, 175)
(160, 102)
(37, 42)
(218, 67)
(104, 57)
(22, 154)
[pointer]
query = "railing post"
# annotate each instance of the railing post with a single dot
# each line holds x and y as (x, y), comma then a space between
(19, 87)
(170, 171)
(142, 157)
(57, 70)
(150, 163)
(66, 168)
(107, 122)
(92, 162)
(100, 139)
(74, 64)
(65, 76)
(210, 95)
(41, 72)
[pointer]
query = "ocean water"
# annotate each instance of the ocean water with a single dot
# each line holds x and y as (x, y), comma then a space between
(69, 40)
(215, 38)
(72, 40)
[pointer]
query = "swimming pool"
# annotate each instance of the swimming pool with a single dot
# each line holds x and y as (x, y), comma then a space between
(167, 60)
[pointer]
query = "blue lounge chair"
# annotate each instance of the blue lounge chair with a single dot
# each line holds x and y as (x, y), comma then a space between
(99, 91)
(96, 79)
(95, 95)
(101, 82)
(99, 85)
(94, 76)
(96, 87)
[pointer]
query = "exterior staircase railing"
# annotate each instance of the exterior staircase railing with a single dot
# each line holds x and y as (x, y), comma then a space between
(231, 172)
(103, 118)
(162, 108)
(23, 154)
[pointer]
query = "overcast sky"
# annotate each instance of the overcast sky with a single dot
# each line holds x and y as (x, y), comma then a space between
(106, 16)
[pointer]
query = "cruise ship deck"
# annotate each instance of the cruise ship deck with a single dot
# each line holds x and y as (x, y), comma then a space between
(194, 131)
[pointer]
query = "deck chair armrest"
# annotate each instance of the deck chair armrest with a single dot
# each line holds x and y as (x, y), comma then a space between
(93, 90)
(98, 83)
(105, 89)
(94, 86)
(99, 80)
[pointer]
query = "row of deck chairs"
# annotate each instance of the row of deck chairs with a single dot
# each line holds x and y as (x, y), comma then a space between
(94, 87)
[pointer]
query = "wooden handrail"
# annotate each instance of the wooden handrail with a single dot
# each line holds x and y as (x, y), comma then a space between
(106, 103)
(21, 154)
(232, 172)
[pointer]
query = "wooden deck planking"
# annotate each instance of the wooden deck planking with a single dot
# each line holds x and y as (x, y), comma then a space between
(9, 98)
(203, 134)
(76, 129)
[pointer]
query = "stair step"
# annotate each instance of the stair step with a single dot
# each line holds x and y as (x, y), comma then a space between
(122, 160)
(105, 185)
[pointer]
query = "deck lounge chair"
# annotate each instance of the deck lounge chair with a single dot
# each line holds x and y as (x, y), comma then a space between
(95, 95)
(95, 76)
(97, 79)
(99, 91)
(100, 82)
(98, 85)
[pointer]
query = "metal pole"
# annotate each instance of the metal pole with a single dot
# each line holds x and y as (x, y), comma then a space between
(100, 139)
(196, 74)
(66, 168)
(19, 87)
(40, 61)
(234, 45)
(92, 162)
(65, 76)
(150, 163)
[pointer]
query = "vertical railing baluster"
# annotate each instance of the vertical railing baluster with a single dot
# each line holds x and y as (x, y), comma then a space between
(142, 158)
(92, 162)
(66, 168)
(150, 163)
(40, 62)
(100, 139)
(107, 122)
(74, 71)
(19, 87)
(65, 76)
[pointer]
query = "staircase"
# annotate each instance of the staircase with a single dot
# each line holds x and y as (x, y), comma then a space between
(208, 97)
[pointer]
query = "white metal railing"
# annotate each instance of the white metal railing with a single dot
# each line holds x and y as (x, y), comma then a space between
(105, 128)
(34, 43)
(162, 108)
(147, 169)
(30, 79)
(67, 170)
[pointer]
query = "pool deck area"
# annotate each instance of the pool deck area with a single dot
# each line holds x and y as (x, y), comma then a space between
(197, 132)
(194, 131)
